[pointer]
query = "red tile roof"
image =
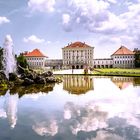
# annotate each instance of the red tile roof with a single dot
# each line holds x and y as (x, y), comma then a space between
(123, 51)
(77, 45)
(34, 53)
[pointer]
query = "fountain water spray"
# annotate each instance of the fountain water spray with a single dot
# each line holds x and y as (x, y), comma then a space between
(9, 62)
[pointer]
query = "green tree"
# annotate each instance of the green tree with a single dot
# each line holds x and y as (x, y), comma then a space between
(137, 58)
(1, 58)
(21, 60)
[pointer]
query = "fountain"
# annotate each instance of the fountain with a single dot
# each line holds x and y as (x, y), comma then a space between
(9, 62)
(9, 77)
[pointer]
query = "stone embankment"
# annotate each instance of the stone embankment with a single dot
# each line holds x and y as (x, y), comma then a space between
(26, 78)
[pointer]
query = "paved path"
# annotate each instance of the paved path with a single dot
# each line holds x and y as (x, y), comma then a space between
(75, 71)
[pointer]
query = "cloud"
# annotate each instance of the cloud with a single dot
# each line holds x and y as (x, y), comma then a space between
(96, 16)
(48, 42)
(112, 1)
(132, 19)
(66, 19)
(92, 15)
(4, 20)
(33, 39)
(112, 25)
(42, 5)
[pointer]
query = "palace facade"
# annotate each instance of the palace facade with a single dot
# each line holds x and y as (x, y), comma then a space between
(54, 63)
(35, 58)
(123, 58)
(77, 55)
(103, 63)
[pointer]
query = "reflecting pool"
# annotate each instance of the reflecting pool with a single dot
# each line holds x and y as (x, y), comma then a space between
(79, 108)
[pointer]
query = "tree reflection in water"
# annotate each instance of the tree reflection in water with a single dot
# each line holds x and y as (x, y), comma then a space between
(32, 89)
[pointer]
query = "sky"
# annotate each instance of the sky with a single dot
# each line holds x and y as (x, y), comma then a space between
(49, 25)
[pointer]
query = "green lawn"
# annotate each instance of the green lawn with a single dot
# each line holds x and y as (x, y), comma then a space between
(117, 72)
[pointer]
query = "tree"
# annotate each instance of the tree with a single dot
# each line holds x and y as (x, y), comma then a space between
(137, 57)
(1, 58)
(21, 60)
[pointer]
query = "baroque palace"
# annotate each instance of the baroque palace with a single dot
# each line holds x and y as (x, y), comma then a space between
(79, 55)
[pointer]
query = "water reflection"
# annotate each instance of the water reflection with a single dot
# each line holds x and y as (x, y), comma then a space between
(35, 89)
(77, 84)
(106, 114)
(46, 128)
(123, 82)
(87, 118)
(9, 108)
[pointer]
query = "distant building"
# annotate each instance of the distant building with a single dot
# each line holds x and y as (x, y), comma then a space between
(54, 63)
(103, 63)
(35, 59)
(77, 55)
(123, 58)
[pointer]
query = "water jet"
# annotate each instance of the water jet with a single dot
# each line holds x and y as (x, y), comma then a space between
(9, 62)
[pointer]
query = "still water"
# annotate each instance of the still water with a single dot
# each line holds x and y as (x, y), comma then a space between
(80, 108)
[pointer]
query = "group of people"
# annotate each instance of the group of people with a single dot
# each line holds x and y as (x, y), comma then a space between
(86, 70)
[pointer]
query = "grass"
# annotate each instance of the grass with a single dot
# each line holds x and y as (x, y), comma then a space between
(117, 72)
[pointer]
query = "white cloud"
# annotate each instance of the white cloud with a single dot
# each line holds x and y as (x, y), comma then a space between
(42, 5)
(132, 19)
(87, 13)
(96, 16)
(93, 15)
(33, 39)
(66, 18)
(113, 23)
(66, 21)
(48, 42)
(86, 6)
(112, 1)
(4, 20)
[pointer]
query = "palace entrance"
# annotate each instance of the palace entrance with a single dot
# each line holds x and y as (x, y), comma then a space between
(77, 67)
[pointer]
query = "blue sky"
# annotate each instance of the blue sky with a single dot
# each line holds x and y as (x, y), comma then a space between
(51, 24)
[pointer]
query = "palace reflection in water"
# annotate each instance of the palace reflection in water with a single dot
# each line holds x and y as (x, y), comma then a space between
(82, 84)
(77, 84)
(123, 82)
(52, 113)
